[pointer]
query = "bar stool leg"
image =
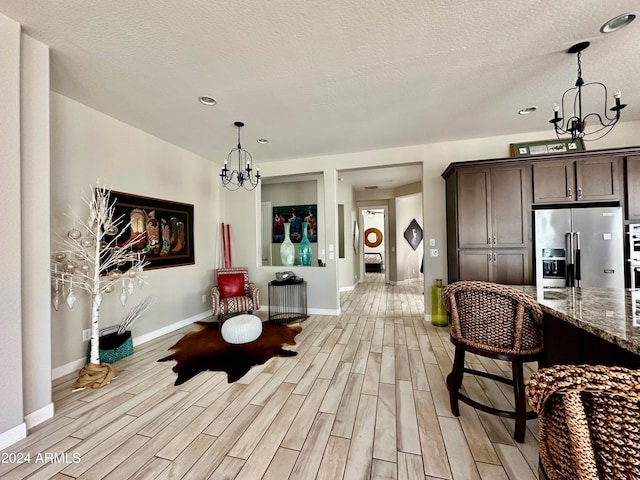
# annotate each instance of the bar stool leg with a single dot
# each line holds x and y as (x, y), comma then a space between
(520, 400)
(454, 380)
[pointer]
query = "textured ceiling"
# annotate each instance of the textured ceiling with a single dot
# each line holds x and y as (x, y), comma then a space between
(320, 77)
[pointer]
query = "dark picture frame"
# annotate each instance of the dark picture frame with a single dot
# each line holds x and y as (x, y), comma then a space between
(413, 234)
(294, 215)
(167, 229)
(546, 147)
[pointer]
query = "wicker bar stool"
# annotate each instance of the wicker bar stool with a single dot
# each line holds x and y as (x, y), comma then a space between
(499, 322)
(589, 421)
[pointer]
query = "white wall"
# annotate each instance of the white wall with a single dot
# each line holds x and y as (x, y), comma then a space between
(348, 267)
(87, 145)
(12, 425)
(408, 260)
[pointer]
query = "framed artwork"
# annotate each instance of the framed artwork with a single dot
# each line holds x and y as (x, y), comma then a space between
(356, 236)
(295, 215)
(546, 147)
(413, 234)
(164, 229)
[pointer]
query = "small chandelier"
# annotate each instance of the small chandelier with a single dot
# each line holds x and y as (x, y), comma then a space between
(243, 176)
(577, 124)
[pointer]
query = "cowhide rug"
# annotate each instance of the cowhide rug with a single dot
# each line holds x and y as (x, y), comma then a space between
(205, 349)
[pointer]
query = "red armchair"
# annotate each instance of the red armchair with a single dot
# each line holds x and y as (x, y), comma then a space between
(234, 293)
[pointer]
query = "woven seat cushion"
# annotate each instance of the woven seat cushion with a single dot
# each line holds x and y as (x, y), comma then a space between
(241, 329)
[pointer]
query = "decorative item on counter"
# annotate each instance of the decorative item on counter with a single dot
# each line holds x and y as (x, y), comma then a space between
(305, 254)
(287, 278)
(438, 311)
(95, 257)
(287, 249)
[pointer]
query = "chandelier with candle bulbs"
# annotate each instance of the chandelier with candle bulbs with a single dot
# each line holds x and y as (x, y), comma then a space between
(243, 176)
(578, 124)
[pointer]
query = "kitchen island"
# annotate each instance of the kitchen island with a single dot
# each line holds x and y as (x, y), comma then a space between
(589, 325)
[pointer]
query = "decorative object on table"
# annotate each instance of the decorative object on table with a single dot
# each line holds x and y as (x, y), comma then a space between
(164, 229)
(305, 253)
(288, 301)
(294, 216)
(226, 245)
(413, 234)
(243, 176)
(205, 349)
(95, 256)
(588, 421)
(233, 292)
(546, 147)
(438, 312)
(499, 322)
(287, 277)
(287, 248)
(241, 329)
(372, 237)
(579, 124)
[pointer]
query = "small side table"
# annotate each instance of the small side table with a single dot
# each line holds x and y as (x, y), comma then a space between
(287, 301)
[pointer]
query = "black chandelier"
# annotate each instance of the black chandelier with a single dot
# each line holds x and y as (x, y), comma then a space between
(243, 176)
(577, 125)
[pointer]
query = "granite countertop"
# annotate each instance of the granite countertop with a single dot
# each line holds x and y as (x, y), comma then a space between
(607, 313)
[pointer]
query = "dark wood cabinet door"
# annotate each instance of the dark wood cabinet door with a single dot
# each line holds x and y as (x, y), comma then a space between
(553, 182)
(510, 195)
(475, 265)
(633, 187)
(473, 208)
(597, 179)
(511, 267)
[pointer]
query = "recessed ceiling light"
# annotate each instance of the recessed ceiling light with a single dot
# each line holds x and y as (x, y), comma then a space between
(263, 141)
(208, 101)
(527, 110)
(616, 23)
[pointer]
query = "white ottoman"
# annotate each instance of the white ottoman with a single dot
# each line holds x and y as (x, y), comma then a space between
(241, 329)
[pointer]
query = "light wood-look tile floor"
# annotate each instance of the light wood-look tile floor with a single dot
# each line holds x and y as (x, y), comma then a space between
(364, 399)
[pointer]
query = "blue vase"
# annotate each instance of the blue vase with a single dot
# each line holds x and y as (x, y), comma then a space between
(305, 254)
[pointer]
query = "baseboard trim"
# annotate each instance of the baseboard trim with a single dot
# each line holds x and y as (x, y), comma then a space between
(76, 365)
(323, 311)
(13, 435)
(347, 289)
(39, 416)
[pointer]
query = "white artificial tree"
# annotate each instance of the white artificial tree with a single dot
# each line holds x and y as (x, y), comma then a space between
(94, 258)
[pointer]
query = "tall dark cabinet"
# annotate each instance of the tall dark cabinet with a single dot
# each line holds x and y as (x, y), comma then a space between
(488, 223)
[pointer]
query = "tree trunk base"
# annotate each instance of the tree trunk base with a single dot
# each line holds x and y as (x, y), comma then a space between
(94, 375)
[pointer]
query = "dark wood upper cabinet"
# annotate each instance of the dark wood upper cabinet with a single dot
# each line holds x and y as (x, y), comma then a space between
(586, 180)
(633, 187)
(492, 208)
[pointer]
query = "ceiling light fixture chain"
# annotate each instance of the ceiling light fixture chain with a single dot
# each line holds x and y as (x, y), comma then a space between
(576, 123)
(243, 176)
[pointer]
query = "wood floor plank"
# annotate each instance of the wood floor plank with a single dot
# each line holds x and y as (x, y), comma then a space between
(381, 470)
(301, 425)
(348, 408)
(434, 453)
(360, 454)
(409, 466)
(311, 453)
(385, 437)
(334, 459)
(407, 425)
(281, 465)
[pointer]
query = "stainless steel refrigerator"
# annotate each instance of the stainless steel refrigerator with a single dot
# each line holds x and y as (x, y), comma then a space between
(581, 247)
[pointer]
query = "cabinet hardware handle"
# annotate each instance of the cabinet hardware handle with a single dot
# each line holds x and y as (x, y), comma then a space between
(494, 239)
(495, 258)
(489, 240)
(569, 192)
(580, 192)
(490, 258)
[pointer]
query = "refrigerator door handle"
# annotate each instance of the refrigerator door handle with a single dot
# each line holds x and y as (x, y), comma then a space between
(577, 259)
(569, 255)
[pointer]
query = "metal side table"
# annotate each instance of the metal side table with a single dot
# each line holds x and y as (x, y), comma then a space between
(287, 301)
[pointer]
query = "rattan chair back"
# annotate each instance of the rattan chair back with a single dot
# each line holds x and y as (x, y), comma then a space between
(589, 421)
(495, 317)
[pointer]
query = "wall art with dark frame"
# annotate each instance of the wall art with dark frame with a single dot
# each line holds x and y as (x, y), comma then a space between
(164, 229)
(295, 215)
(546, 147)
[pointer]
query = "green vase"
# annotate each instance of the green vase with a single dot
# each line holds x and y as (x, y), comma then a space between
(305, 254)
(438, 312)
